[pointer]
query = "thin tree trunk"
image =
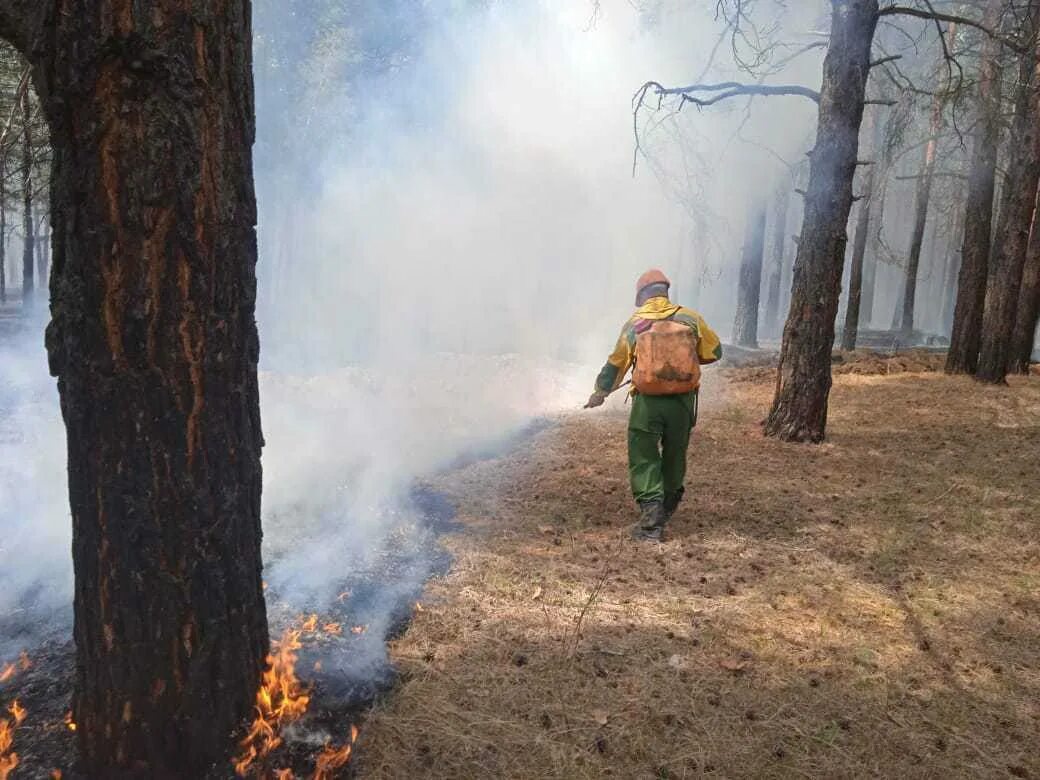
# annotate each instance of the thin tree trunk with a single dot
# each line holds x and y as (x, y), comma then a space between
(1009, 255)
(41, 258)
(965, 336)
(951, 270)
(799, 410)
(154, 344)
(3, 235)
(859, 243)
(28, 255)
(923, 198)
(776, 272)
(745, 328)
(1028, 304)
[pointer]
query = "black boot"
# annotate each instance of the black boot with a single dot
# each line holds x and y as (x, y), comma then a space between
(672, 501)
(651, 521)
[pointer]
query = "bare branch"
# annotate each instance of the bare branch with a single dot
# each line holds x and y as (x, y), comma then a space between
(940, 16)
(883, 60)
(731, 89)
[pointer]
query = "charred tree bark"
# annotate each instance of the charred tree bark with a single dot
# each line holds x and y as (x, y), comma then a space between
(745, 328)
(965, 337)
(1009, 252)
(776, 272)
(154, 344)
(799, 410)
(1028, 317)
(28, 253)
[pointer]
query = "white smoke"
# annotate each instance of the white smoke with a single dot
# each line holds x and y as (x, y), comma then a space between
(460, 270)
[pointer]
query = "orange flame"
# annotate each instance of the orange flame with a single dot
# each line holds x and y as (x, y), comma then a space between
(56, 774)
(281, 700)
(7, 673)
(333, 628)
(69, 721)
(359, 629)
(332, 758)
(17, 712)
(8, 758)
(310, 623)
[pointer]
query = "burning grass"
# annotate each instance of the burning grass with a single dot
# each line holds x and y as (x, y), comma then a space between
(868, 607)
(281, 703)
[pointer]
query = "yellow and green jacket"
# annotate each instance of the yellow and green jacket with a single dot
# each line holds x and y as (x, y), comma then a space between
(709, 348)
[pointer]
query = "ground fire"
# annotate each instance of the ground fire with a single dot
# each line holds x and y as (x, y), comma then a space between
(282, 701)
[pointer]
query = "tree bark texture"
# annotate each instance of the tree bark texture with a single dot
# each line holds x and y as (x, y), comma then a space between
(1009, 252)
(28, 252)
(966, 334)
(1028, 316)
(745, 328)
(779, 251)
(799, 411)
(154, 344)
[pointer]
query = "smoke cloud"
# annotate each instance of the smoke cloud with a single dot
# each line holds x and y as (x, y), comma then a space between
(449, 244)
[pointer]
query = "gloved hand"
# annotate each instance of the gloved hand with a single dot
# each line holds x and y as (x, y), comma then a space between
(596, 399)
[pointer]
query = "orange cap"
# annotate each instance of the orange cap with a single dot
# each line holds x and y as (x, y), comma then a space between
(653, 276)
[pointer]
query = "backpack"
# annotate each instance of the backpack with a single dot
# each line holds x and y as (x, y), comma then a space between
(666, 358)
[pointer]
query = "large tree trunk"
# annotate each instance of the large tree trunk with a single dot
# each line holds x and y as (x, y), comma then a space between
(859, 242)
(154, 343)
(1029, 308)
(28, 254)
(745, 328)
(1009, 252)
(965, 337)
(1028, 304)
(799, 410)
(776, 271)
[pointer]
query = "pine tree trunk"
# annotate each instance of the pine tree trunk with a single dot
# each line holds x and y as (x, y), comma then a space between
(1009, 253)
(28, 254)
(853, 314)
(41, 258)
(776, 273)
(745, 328)
(922, 200)
(1023, 342)
(965, 337)
(799, 410)
(154, 344)
(951, 270)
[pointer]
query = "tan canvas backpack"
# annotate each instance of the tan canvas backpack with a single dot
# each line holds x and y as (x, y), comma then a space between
(666, 359)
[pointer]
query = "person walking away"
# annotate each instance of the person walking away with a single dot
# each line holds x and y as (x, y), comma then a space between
(665, 345)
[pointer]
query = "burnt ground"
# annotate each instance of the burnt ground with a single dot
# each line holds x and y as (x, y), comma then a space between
(379, 595)
(865, 608)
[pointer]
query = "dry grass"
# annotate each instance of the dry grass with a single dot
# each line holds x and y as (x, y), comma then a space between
(869, 607)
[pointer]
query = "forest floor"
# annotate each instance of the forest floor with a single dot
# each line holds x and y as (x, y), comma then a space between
(867, 607)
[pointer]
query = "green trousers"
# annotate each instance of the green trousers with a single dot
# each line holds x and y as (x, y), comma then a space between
(658, 435)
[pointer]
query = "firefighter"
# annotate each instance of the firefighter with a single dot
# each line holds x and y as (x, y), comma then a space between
(665, 345)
